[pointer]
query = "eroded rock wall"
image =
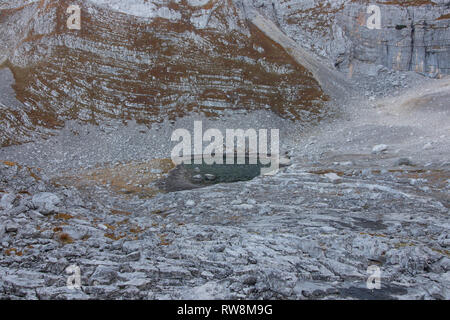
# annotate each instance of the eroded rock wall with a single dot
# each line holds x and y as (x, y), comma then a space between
(414, 35)
(150, 62)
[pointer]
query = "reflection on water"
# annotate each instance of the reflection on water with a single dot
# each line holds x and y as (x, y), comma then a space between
(207, 174)
(192, 176)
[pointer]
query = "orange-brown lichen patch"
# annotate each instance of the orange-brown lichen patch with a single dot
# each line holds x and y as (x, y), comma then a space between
(123, 222)
(404, 244)
(320, 14)
(120, 212)
(326, 171)
(373, 234)
(34, 175)
(16, 252)
(64, 238)
(63, 216)
(163, 240)
(162, 213)
(401, 3)
(436, 177)
(114, 237)
(128, 179)
(408, 3)
(31, 171)
(110, 227)
(444, 17)
(10, 163)
(137, 229)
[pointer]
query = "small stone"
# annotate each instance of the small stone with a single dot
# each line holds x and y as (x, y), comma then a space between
(252, 260)
(207, 274)
(250, 281)
(218, 249)
(327, 229)
(332, 291)
(46, 202)
(379, 148)
(285, 162)
(190, 203)
(18, 210)
(210, 177)
(438, 296)
(306, 293)
(403, 162)
(333, 177)
(318, 293)
(104, 275)
(7, 201)
(11, 227)
(445, 243)
(134, 256)
(427, 146)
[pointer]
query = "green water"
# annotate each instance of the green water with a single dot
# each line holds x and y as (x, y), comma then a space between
(224, 173)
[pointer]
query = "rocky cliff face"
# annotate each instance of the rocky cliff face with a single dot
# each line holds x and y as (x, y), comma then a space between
(414, 35)
(148, 64)
(153, 60)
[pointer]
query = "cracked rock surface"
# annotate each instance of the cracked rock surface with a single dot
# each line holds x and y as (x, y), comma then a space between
(309, 232)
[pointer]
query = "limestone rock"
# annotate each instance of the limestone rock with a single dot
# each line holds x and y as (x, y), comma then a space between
(379, 148)
(46, 202)
(333, 177)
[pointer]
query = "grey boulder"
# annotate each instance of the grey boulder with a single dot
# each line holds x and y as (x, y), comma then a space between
(46, 202)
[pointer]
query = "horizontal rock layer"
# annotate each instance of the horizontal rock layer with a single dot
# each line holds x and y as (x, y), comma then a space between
(414, 35)
(205, 59)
